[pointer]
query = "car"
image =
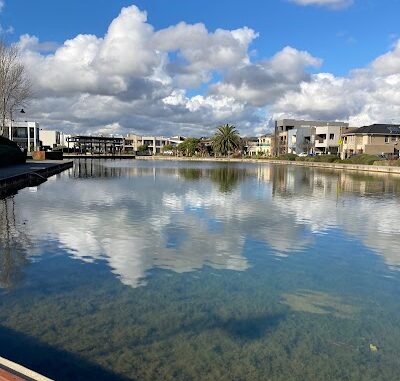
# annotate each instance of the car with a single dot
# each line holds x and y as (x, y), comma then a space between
(303, 154)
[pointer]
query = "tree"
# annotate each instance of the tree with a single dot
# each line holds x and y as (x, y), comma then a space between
(168, 148)
(143, 148)
(15, 86)
(226, 140)
(189, 146)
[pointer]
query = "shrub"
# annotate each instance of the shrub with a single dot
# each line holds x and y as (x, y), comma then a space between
(362, 159)
(287, 156)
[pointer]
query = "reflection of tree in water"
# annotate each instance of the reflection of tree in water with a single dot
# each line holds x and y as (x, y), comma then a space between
(226, 177)
(190, 174)
(13, 244)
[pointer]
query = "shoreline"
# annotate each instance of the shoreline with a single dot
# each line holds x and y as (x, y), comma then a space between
(336, 166)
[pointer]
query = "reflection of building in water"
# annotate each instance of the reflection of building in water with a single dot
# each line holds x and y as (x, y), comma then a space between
(265, 173)
(92, 168)
(13, 244)
(324, 201)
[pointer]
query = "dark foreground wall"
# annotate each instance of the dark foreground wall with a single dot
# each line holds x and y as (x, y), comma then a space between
(10, 153)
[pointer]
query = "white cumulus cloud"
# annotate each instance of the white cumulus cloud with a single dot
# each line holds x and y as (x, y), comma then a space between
(136, 78)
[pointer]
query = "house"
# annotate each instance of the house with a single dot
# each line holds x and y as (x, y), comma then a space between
(263, 146)
(376, 139)
(327, 139)
(296, 136)
(154, 144)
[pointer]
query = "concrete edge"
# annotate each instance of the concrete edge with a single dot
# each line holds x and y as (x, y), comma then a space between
(335, 166)
(7, 364)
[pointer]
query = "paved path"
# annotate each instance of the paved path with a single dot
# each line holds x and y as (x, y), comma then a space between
(28, 167)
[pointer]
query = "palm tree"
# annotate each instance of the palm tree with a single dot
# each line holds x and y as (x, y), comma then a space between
(226, 140)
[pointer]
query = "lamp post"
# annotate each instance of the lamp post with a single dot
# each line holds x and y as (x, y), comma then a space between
(11, 120)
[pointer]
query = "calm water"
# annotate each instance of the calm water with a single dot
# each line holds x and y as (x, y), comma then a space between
(121, 270)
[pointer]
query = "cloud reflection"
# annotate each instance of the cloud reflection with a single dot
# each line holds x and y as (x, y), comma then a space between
(140, 216)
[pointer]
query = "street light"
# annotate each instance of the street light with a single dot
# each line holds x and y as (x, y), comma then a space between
(22, 111)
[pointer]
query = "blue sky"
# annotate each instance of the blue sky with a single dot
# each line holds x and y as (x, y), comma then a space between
(343, 38)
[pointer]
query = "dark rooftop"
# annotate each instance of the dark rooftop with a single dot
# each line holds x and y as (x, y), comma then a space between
(378, 129)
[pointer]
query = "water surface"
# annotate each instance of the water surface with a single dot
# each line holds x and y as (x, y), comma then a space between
(130, 270)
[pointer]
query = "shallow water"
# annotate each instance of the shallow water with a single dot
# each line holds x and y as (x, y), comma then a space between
(131, 270)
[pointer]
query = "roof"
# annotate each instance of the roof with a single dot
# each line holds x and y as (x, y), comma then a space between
(377, 129)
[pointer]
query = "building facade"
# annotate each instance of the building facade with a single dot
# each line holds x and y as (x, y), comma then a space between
(51, 139)
(327, 139)
(377, 139)
(154, 144)
(298, 136)
(25, 134)
(263, 146)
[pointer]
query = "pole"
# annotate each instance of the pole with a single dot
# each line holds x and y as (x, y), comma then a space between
(10, 126)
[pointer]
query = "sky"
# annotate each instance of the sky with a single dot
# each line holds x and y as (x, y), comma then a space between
(171, 67)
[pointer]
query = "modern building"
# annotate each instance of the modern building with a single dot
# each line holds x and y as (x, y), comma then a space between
(377, 139)
(25, 134)
(327, 139)
(297, 136)
(300, 140)
(263, 146)
(51, 139)
(154, 144)
(95, 145)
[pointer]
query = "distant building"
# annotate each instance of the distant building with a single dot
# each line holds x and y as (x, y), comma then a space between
(51, 139)
(263, 146)
(373, 140)
(297, 136)
(25, 134)
(95, 145)
(155, 144)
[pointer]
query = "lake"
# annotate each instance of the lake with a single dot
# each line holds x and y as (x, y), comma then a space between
(141, 270)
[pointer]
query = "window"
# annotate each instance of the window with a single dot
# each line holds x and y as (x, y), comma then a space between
(20, 132)
(331, 136)
(387, 139)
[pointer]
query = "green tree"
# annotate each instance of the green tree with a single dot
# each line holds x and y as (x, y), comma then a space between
(168, 147)
(143, 148)
(226, 140)
(189, 146)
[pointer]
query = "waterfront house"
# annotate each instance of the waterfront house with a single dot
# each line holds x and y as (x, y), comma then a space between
(263, 146)
(327, 139)
(154, 144)
(376, 139)
(297, 136)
